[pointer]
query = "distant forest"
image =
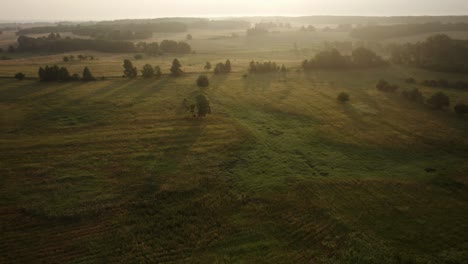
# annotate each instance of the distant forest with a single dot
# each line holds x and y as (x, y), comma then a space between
(382, 32)
(55, 43)
(134, 29)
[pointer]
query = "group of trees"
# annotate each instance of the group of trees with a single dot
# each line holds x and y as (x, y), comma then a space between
(438, 100)
(266, 67)
(171, 46)
(201, 108)
(439, 52)
(58, 44)
(256, 31)
(79, 57)
(149, 72)
(55, 73)
(309, 28)
(151, 49)
(221, 68)
(385, 86)
(333, 59)
(176, 68)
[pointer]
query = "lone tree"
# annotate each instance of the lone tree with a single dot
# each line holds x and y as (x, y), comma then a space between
(203, 106)
(227, 66)
(343, 97)
(203, 81)
(147, 71)
(66, 59)
(189, 37)
(175, 68)
(20, 76)
(439, 100)
(208, 66)
(461, 109)
(157, 72)
(129, 70)
(87, 75)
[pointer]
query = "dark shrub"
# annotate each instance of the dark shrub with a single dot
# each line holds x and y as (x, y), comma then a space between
(410, 80)
(176, 68)
(203, 81)
(461, 109)
(414, 95)
(20, 76)
(87, 75)
(439, 100)
(129, 70)
(147, 71)
(384, 86)
(138, 57)
(343, 97)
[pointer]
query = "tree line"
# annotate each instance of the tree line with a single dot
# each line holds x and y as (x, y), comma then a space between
(124, 31)
(265, 67)
(333, 59)
(60, 74)
(56, 43)
(380, 32)
(439, 53)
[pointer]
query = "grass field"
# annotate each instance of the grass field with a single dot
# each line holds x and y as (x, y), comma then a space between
(116, 171)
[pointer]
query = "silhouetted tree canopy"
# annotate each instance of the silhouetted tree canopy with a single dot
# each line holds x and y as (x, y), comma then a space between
(171, 46)
(129, 70)
(256, 31)
(203, 106)
(20, 76)
(176, 68)
(87, 75)
(147, 71)
(53, 73)
(265, 67)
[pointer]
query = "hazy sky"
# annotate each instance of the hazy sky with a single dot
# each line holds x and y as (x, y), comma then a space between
(112, 9)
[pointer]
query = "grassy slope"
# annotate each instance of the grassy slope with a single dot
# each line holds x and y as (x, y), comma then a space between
(115, 171)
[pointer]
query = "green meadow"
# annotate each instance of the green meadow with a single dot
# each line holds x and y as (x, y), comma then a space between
(117, 170)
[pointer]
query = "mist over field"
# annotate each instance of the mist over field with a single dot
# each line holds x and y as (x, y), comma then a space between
(64, 10)
(234, 131)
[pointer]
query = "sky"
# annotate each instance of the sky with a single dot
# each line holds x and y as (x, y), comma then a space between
(61, 10)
